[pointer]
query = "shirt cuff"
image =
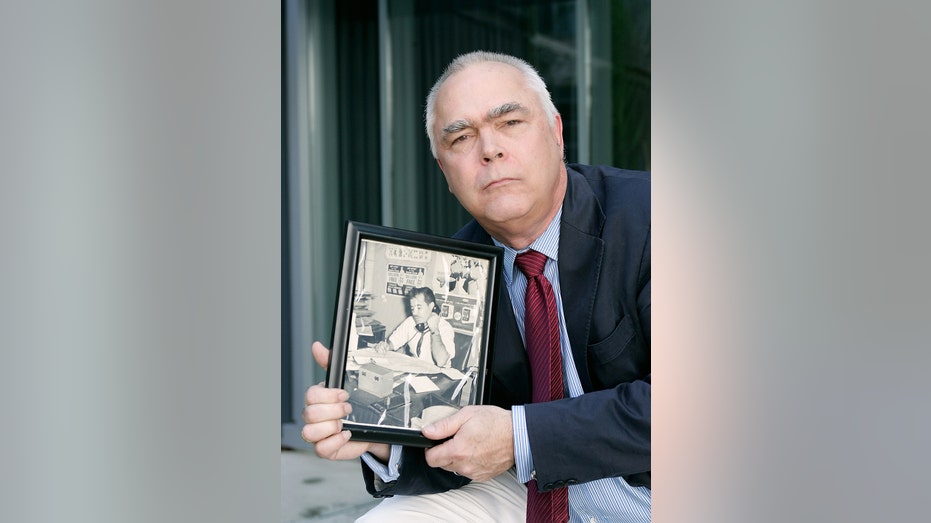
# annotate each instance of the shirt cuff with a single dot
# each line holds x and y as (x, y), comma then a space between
(523, 460)
(388, 473)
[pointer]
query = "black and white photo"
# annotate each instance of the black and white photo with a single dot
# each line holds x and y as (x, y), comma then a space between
(412, 329)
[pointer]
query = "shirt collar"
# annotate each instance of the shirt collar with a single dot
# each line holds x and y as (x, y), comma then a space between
(547, 243)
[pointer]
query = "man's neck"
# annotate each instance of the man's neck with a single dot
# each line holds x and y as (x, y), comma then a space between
(522, 238)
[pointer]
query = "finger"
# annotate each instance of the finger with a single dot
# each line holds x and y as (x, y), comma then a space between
(339, 446)
(332, 447)
(315, 432)
(321, 354)
(445, 427)
(320, 394)
(439, 457)
(325, 412)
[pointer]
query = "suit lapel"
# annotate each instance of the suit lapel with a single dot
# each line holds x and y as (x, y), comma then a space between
(580, 254)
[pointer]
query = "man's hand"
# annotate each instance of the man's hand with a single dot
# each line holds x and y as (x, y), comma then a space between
(382, 347)
(482, 446)
(323, 415)
(433, 321)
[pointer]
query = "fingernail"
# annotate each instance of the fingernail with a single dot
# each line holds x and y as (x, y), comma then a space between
(347, 408)
(343, 396)
(430, 428)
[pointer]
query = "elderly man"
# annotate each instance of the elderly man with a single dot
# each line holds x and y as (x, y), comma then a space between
(567, 434)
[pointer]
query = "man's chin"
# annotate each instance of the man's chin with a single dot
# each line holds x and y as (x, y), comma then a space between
(506, 210)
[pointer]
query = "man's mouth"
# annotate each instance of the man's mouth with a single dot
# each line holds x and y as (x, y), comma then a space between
(499, 182)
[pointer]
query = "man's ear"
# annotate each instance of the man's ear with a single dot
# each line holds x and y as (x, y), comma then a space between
(440, 163)
(557, 131)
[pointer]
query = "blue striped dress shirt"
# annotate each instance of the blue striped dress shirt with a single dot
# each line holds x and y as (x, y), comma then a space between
(607, 499)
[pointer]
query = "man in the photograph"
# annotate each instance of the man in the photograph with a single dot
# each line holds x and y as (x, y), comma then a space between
(423, 334)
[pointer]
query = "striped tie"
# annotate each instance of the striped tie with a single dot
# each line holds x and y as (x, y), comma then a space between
(541, 330)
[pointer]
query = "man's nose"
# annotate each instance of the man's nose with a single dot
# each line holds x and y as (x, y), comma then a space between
(491, 151)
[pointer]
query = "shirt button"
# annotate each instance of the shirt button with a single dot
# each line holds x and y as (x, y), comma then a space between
(592, 520)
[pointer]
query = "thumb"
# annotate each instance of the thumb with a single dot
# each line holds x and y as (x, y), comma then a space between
(445, 427)
(321, 354)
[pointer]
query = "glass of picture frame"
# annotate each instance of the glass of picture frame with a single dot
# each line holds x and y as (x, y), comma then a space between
(412, 332)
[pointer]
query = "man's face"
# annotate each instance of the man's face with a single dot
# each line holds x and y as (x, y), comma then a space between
(500, 156)
(420, 309)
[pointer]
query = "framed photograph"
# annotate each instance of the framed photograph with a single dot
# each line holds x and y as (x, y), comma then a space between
(412, 331)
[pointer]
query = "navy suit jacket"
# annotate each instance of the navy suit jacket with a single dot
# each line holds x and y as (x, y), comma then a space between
(604, 274)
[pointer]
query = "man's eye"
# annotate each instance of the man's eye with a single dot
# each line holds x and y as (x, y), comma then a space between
(460, 138)
(512, 122)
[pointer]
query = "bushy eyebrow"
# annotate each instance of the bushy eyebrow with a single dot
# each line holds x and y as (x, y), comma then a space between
(497, 112)
(504, 109)
(456, 126)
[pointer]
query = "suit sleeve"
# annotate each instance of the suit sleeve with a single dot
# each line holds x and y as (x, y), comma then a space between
(416, 477)
(596, 435)
(599, 434)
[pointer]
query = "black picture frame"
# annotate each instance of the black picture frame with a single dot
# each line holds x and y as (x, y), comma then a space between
(397, 381)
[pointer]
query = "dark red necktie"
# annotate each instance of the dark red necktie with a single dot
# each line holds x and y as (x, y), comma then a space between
(541, 330)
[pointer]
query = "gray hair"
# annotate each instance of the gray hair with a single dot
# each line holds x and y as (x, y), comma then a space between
(531, 76)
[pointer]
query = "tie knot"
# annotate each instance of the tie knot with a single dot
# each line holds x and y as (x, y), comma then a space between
(531, 263)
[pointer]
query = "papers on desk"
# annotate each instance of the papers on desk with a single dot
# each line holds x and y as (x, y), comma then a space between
(422, 384)
(391, 360)
(399, 362)
(453, 374)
